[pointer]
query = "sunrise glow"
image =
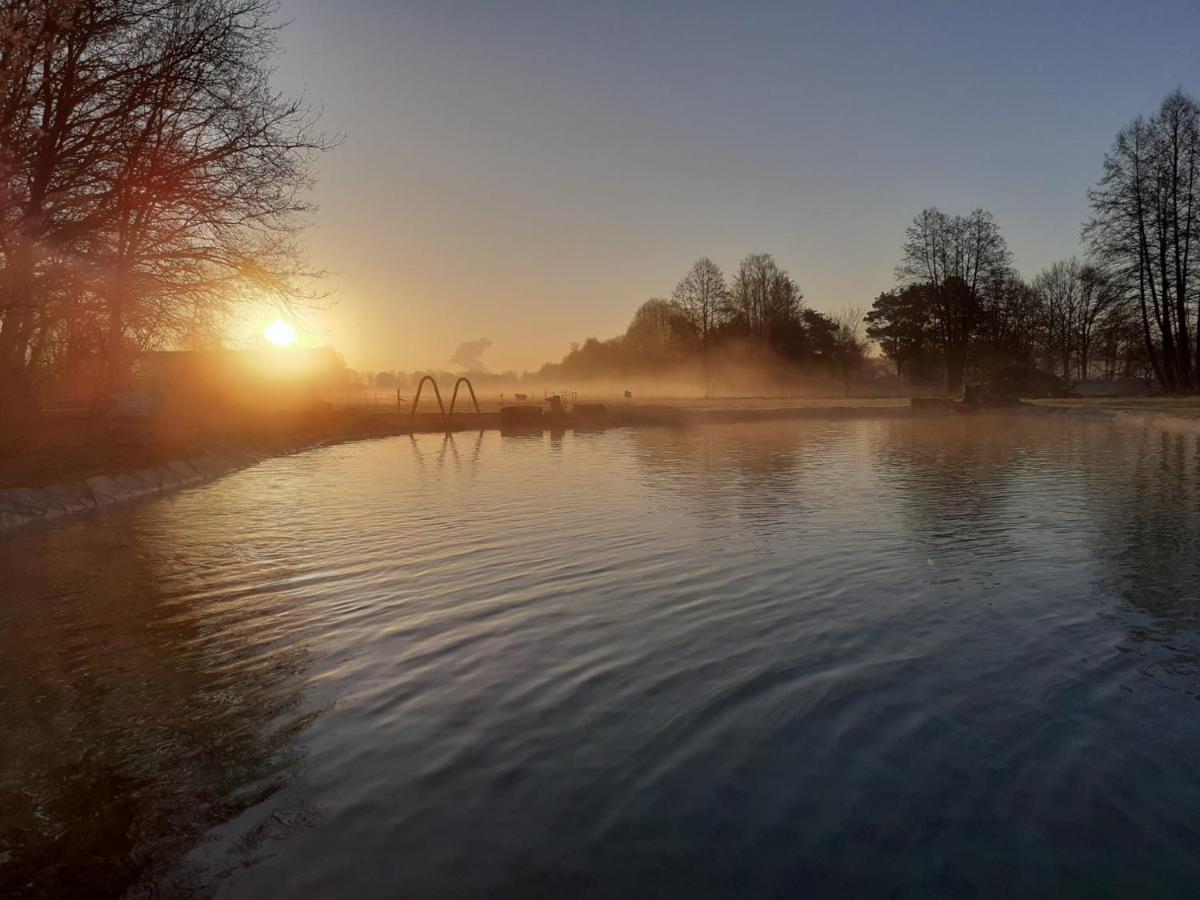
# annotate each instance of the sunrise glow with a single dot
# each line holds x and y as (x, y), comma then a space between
(280, 333)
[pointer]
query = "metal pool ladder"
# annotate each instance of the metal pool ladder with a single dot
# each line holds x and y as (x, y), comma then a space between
(417, 399)
(438, 394)
(461, 381)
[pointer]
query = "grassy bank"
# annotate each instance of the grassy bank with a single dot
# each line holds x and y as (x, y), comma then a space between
(54, 450)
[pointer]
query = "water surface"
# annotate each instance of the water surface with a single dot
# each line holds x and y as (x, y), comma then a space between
(873, 658)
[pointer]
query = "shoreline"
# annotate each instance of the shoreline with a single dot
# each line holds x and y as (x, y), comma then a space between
(1178, 422)
(28, 504)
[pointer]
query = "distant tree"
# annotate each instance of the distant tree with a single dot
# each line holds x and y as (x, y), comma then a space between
(1012, 326)
(810, 337)
(1060, 290)
(660, 331)
(850, 345)
(902, 321)
(1119, 346)
(957, 258)
(703, 297)
(761, 315)
(1098, 298)
(763, 299)
(1073, 299)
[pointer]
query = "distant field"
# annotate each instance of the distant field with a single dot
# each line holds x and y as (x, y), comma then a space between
(385, 402)
(491, 403)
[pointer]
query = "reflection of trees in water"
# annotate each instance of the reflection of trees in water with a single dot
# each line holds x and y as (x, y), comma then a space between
(1147, 515)
(948, 474)
(1139, 492)
(760, 473)
(136, 715)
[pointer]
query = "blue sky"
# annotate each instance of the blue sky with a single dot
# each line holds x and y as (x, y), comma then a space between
(530, 172)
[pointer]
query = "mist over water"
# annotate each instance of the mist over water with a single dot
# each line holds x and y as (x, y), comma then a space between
(881, 658)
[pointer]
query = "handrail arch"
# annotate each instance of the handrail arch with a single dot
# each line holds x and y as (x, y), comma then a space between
(416, 399)
(453, 397)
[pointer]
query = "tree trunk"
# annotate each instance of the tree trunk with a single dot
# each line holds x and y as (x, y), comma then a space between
(114, 351)
(16, 331)
(1149, 338)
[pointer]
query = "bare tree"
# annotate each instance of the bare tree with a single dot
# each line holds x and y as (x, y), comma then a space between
(1145, 220)
(62, 105)
(850, 345)
(212, 179)
(764, 298)
(145, 159)
(703, 297)
(1097, 299)
(1012, 327)
(958, 257)
(658, 331)
(1060, 291)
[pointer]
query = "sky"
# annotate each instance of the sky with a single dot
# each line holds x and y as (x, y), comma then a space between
(529, 173)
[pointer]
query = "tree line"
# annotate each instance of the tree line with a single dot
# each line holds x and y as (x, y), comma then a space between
(710, 322)
(1130, 310)
(151, 179)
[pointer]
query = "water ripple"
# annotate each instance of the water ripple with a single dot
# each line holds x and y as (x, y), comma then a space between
(858, 658)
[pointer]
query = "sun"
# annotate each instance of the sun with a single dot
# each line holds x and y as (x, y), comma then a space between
(280, 333)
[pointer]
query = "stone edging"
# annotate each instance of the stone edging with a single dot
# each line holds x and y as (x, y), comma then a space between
(22, 506)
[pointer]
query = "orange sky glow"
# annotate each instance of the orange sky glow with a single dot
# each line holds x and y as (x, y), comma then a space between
(531, 175)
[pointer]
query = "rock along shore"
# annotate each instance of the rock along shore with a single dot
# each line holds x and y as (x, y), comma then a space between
(21, 506)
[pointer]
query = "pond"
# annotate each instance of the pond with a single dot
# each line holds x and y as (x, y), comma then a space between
(825, 658)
